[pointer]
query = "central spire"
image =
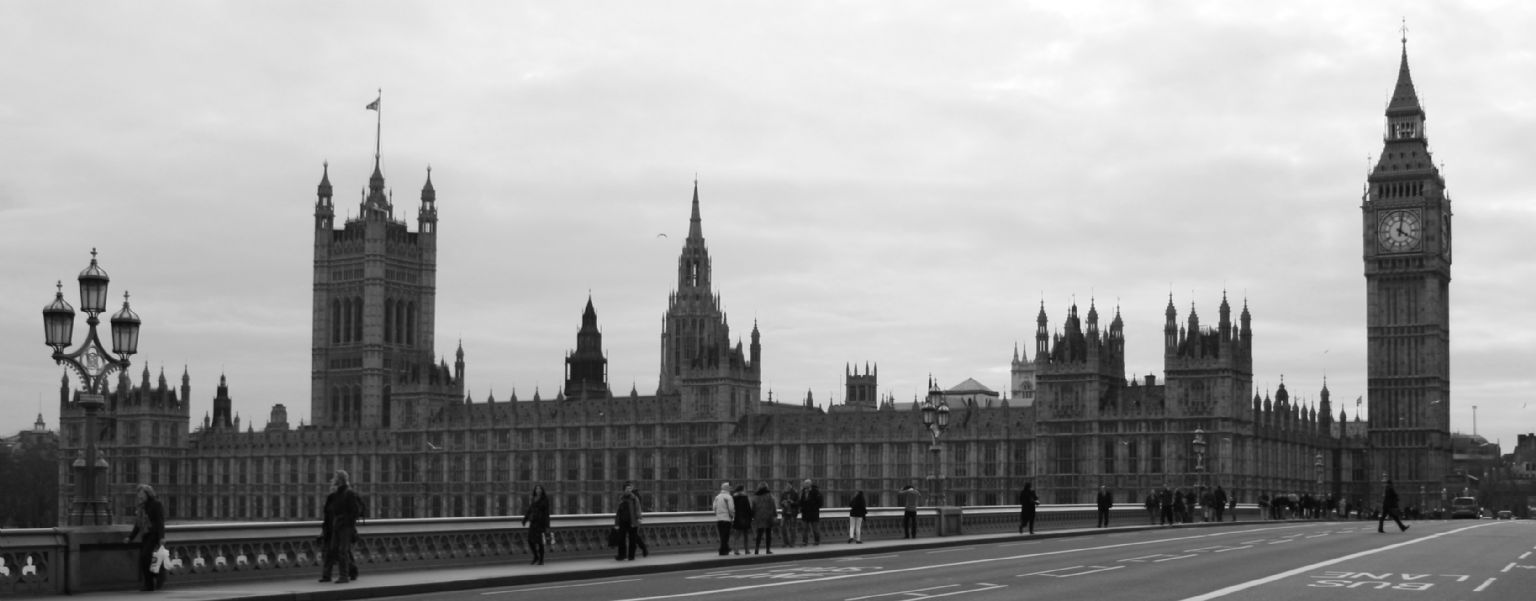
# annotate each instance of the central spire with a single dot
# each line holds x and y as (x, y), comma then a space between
(695, 225)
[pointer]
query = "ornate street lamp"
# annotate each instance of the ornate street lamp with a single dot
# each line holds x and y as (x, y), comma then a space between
(936, 418)
(92, 363)
(1317, 463)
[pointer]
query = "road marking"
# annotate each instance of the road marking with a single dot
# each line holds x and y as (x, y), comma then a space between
(1524, 555)
(951, 550)
(1304, 569)
(860, 557)
(1090, 570)
(559, 586)
(1484, 585)
(940, 566)
(908, 592)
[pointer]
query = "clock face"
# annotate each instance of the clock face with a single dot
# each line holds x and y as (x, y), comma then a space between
(1399, 231)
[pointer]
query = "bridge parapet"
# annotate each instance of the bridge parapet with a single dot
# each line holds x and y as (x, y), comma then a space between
(70, 560)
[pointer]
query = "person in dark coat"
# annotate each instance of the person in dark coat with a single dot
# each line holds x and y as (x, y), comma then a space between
(1105, 501)
(810, 513)
(627, 520)
(1219, 503)
(789, 511)
(1028, 501)
(536, 518)
(908, 497)
(150, 522)
(857, 509)
(1389, 508)
(1166, 501)
(342, 510)
(765, 510)
(741, 518)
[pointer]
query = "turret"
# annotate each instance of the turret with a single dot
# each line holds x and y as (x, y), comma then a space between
(426, 215)
(1042, 336)
(325, 212)
(458, 363)
(1224, 323)
(1170, 328)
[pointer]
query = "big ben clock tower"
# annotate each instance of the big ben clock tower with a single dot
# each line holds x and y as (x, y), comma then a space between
(1406, 226)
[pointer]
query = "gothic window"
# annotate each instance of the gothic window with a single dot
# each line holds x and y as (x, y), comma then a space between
(410, 324)
(384, 408)
(357, 405)
(1109, 456)
(1155, 458)
(1132, 457)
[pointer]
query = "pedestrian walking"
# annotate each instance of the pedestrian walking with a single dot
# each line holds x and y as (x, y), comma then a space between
(1151, 504)
(810, 513)
(1105, 501)
(764, 511)
(536, 518)
(725, 515)
(856, 512)
(741, 516)
(343, 508)
(627, 520)
(1219, 502)
(150, 521)
(789, 510)
(1165, 501)
(1389, 508)
(908, 498)
(1028, 501)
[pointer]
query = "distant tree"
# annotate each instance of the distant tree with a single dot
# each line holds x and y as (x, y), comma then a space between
(29, 497)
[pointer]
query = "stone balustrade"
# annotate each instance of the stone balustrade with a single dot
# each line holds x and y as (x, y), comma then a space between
(80, 559)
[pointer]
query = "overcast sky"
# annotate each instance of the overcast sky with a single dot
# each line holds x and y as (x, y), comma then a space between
(887, 182)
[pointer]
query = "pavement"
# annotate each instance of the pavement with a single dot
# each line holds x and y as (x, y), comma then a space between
(395, 582)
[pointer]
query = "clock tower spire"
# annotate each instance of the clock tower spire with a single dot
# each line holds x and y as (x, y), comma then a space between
(1406, 214)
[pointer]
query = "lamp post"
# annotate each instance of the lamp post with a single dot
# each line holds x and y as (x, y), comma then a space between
(92, 363)
(936, 419)
(1199, 445)
(1317, 464)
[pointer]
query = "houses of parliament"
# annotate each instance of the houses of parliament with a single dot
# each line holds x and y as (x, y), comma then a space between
(400, 421)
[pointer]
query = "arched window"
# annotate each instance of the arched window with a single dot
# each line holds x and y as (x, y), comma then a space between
(384, 407)
(357, 319)
(410, 324)
(335, 405)
(357, 405)
(389, 322)
(335, 321)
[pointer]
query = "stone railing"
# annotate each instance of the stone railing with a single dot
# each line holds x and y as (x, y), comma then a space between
(69, 560)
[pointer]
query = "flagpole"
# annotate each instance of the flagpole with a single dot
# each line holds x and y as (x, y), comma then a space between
(378, 131)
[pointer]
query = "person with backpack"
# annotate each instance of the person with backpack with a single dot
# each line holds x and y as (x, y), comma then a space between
(789, 509)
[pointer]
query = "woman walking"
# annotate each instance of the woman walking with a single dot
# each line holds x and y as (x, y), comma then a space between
(764, 509)
(150, 522)
(1027, 503)
(536, 518)
(742, 519)
(857, 509)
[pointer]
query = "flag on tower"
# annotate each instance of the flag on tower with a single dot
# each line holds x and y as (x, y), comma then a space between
(373, 106)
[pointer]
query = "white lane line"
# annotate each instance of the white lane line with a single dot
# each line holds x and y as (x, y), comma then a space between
(862, 557)
(1304, 569)
(907, 592)
(936, 551)
(940, 566)
(1506, 568)
(558, 586)
(1484, 585)
(1525, 555)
